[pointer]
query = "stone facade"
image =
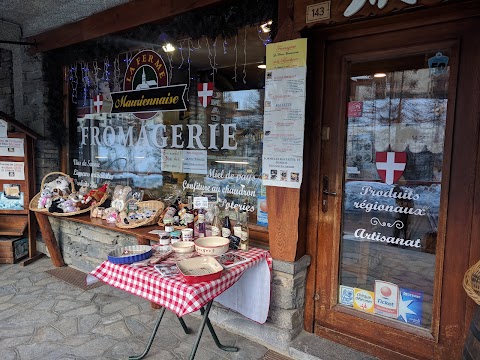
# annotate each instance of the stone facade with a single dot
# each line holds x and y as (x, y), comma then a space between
(6, 81)
(85, 247)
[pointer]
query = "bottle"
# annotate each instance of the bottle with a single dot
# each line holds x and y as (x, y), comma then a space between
(216, 224)
(226, 228)
(190, 220)
(244, 233)
(201, 225)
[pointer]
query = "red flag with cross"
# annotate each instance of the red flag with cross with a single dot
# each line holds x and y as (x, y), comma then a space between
(390, 165)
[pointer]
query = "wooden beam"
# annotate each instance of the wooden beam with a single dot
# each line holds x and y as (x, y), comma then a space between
(122, 17)
(19, 126)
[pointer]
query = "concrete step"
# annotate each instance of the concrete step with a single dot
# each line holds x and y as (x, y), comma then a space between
(307, 346)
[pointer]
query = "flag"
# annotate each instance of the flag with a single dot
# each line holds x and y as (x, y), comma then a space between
(205, 93)
(390, 165)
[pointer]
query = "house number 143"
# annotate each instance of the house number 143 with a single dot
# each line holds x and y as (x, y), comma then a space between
(318, 12)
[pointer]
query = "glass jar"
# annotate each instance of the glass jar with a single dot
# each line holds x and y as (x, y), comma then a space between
(168, 225)
(175, 236)
(164, 238)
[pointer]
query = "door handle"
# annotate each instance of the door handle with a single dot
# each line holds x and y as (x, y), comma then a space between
(326, 192)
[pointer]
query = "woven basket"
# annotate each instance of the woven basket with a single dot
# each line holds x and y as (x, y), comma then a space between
(471, 282)
(33, 205)
(157, 205)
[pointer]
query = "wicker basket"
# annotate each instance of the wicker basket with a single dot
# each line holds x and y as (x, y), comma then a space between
(471, 282)
(33, 205)
(156, 205)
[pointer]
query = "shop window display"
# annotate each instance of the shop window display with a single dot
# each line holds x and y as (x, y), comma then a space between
(210, 146)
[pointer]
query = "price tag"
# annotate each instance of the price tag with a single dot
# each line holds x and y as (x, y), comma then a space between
(318, 12)
(200, 202)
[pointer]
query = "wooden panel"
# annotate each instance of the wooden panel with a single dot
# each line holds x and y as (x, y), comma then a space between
(126, 16)
(338, 9)
(453, 299)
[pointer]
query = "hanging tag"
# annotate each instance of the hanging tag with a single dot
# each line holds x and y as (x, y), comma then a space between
(438, 64)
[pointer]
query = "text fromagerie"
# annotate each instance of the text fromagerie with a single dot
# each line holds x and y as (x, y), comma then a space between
(180, 136)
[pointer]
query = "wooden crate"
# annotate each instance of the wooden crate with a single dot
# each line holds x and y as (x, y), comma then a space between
(13, 249)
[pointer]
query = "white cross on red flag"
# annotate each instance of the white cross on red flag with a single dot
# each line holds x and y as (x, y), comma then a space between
(98, 103)
(390, 165)
(205, 93)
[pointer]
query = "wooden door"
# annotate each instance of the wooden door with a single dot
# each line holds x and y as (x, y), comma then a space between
(395, 187)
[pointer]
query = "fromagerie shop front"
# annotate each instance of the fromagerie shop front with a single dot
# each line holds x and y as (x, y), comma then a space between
(355, 151)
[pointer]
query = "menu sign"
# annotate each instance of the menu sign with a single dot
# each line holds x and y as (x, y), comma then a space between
(284, 114)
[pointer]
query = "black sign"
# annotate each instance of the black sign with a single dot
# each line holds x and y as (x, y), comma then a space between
(166, 98)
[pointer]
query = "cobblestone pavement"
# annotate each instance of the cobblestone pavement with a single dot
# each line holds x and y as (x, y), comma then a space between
(44, 318)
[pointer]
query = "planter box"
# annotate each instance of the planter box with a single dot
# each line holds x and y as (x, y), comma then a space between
(13, 249)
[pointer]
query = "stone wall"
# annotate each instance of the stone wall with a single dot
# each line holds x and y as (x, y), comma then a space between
(85, 247)
(6, 81)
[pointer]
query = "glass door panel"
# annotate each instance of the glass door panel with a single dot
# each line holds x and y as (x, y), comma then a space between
(396, 117)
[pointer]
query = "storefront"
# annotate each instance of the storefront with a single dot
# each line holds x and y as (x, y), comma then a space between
(389, 193)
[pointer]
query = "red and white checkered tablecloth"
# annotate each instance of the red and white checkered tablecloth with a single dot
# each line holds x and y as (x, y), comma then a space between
(172, 292)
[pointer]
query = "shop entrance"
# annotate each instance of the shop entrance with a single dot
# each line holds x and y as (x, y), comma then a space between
(386, 253)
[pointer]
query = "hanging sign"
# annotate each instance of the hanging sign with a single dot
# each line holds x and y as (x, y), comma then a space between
(146, 89)
(11, 147)
(12, 170)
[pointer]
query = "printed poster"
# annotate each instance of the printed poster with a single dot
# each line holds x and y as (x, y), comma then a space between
(386, 299)
(410, 306)
(284, 171)
(195, 161)
(11, 147)
(285, 54)
(346, 295)
(363, 300)
(284, 113)
(12, 170)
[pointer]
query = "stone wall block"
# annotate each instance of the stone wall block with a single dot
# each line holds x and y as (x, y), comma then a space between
(286, 319)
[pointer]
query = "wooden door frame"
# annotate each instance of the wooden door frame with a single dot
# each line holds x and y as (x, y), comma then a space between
(464, 207)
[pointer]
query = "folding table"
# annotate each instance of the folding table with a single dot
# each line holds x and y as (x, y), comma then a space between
(174, 294)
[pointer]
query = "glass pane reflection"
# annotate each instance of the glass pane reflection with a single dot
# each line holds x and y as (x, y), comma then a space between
(394, 156)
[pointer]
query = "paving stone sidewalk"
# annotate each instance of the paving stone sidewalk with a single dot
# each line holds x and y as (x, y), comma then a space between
(44, 318)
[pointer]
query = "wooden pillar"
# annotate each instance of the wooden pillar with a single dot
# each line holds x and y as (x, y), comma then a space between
(50, 240)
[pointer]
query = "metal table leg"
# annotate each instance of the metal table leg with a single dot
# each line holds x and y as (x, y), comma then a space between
(184, 326)
(205, 320)
(150, 341)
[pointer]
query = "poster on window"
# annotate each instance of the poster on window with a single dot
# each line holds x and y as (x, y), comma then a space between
(11, 147)
(284, 113)
(283, 171)
(3, 128)
(12, 170)
(195, 161)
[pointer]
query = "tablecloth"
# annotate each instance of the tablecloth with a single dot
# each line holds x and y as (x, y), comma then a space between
(172, 292)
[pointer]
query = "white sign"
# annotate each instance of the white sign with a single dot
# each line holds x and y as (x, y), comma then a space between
(318, 12)
(11, 147)
(200, 202)
(195, 161)
(3, 128)
(356, 5)
(386, 299)
(172, 160)
(12, 170)
(283, 171)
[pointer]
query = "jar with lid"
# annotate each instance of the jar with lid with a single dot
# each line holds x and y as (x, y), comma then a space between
(168, 225)
(175, 236)
(163, 238)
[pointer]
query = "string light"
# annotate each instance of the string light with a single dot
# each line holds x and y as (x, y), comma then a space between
(236, 57)
(215, 57)
(181, 53)
(116, 74)
(245, 56)
(74, 82)
(225, 46)
(210, 59)
(170, 67)
(95, 74)
(190, 44)
(106, 72)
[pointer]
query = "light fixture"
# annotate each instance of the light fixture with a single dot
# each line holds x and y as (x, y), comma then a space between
(262, 66)
(379, 75)
(266, 27)
(231, 162)
(168, 47)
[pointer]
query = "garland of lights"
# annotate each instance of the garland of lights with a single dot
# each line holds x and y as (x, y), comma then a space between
(221, 21)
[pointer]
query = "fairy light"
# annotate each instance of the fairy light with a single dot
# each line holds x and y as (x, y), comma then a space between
(236, 57)
(74, 82)
(190, 45)
(245, 56)
(116, 74)
(106, 72)
(181, 53)
(225, 46)
(95, 74)
(210, 59)
(170, 67)
(214, 57)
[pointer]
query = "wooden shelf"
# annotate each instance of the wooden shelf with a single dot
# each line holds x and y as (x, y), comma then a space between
(15, 226)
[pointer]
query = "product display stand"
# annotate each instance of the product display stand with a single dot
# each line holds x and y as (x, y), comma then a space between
(17, 186)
